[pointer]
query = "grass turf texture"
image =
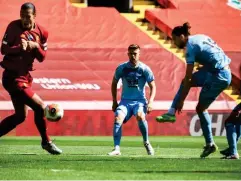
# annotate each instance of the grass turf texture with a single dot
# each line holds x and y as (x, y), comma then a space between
(84, 158)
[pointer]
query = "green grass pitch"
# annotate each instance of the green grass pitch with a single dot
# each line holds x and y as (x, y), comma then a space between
(85, 158)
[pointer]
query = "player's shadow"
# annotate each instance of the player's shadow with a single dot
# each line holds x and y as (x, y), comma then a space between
(179, 171)
(84, 160)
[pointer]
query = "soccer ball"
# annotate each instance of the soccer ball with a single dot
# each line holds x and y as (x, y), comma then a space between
(53, 112)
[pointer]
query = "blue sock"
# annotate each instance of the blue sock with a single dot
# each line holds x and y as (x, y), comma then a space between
(177, 97)
(143, 126)
(231, 137)
(238, 131)
(117, 133)
(206, 126)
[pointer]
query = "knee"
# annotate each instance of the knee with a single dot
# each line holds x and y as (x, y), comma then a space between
(200, 109)
(20, 118)
(119, 120)
(233, 117)
(38, 105)
(140, 116)
(39, 110)
(228, 120)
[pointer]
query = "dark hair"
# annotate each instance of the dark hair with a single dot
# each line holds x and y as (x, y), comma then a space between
(133, 47)
(28, 5)
(184, 29)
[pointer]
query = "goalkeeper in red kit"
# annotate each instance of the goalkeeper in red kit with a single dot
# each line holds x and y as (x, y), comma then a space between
(23, 42)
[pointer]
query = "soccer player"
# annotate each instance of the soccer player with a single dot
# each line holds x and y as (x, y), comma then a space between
(233, 128)
(214, 76)
(134, 75)
(24, 41)
(233, 132)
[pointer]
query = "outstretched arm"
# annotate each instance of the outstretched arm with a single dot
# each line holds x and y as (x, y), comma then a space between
(152, 86)
(114, 93)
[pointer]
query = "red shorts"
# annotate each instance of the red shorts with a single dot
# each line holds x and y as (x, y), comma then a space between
(16, 84)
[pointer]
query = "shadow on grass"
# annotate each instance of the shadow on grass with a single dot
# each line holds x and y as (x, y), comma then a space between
(181, 171)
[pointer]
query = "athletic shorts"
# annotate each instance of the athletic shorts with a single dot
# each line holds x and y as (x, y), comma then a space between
(15, 83)
(128, 108)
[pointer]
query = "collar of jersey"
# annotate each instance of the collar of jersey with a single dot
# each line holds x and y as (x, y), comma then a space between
(130, 65)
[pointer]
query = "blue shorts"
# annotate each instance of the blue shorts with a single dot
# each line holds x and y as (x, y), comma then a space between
(235, 116)
(128, 108)
(212, 83)
(237, 109)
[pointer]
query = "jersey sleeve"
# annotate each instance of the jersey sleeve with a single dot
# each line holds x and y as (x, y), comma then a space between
(191, 51)
(44, 39)
(41, 51)
(118, 72)
(8, 46)
(148, 74)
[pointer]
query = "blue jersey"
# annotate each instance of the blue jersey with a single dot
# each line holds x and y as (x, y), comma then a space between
(203, 50)
(134, 80)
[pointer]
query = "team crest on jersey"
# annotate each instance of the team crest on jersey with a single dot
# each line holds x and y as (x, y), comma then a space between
(30, 37)
(132, 76)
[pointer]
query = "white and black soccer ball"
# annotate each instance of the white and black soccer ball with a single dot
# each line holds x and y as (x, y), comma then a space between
(53, 112)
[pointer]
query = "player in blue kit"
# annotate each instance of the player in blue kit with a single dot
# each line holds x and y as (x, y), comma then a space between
(214, 76)
(233, 132)
(233, 128)
(134, 75)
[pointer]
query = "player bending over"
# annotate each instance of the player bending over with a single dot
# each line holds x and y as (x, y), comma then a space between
(24, 41)
(134, 75)
(213, 77)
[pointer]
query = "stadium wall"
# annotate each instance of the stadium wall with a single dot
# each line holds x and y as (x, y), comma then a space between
(100, 123)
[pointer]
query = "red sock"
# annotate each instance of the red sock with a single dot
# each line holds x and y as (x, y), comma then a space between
(42, 128)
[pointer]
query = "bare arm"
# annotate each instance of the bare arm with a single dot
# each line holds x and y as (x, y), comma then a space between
(114, 94)
(152, 86)
(114, 89)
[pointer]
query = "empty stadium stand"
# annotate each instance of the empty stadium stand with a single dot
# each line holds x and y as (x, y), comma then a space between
(213, 18)
(85, 46)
